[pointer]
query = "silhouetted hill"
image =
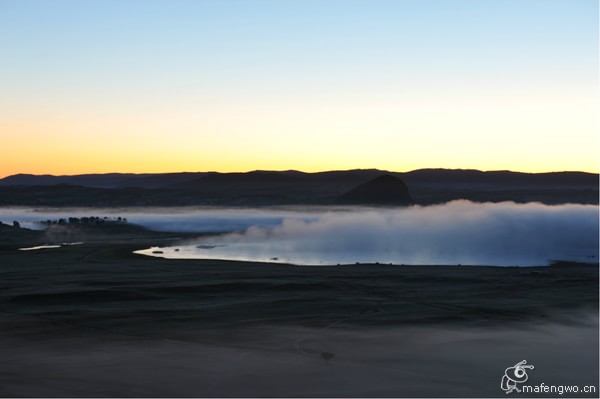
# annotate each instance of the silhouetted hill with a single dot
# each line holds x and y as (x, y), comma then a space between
(442, 185)
(108, 180)
(385, 189)
(497, 179)
(427, 186)
(267, 187)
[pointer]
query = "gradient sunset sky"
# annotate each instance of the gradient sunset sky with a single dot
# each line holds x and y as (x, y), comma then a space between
(236, 85)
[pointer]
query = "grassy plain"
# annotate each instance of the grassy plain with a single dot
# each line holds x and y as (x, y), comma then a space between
(96, 320)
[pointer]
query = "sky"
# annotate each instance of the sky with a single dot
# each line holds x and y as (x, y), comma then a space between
(239, 85)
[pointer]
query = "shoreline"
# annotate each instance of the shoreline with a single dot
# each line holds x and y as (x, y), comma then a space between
(117, 255)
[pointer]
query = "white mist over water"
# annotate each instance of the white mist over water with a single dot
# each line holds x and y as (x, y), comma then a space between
(459, 232)
(170, 219)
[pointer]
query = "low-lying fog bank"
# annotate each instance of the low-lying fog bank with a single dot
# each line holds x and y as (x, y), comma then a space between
(434, 361)
(459, 232)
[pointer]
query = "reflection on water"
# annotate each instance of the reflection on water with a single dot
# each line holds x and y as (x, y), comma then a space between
(50, 246)
(286, 254)
(251, 252)
(39, 247)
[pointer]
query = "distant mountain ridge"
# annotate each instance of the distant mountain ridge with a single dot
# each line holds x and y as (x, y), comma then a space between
(106, 180)
(260, 187)
(419, 176)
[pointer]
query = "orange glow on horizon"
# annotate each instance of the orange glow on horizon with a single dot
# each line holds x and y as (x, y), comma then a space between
(316, 86)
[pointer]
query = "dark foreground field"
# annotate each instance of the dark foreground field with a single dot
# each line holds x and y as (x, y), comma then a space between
(95, 320)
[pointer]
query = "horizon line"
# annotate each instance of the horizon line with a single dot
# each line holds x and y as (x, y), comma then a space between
(295, 171)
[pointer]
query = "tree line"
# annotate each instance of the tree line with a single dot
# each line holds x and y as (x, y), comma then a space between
(85, 220)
